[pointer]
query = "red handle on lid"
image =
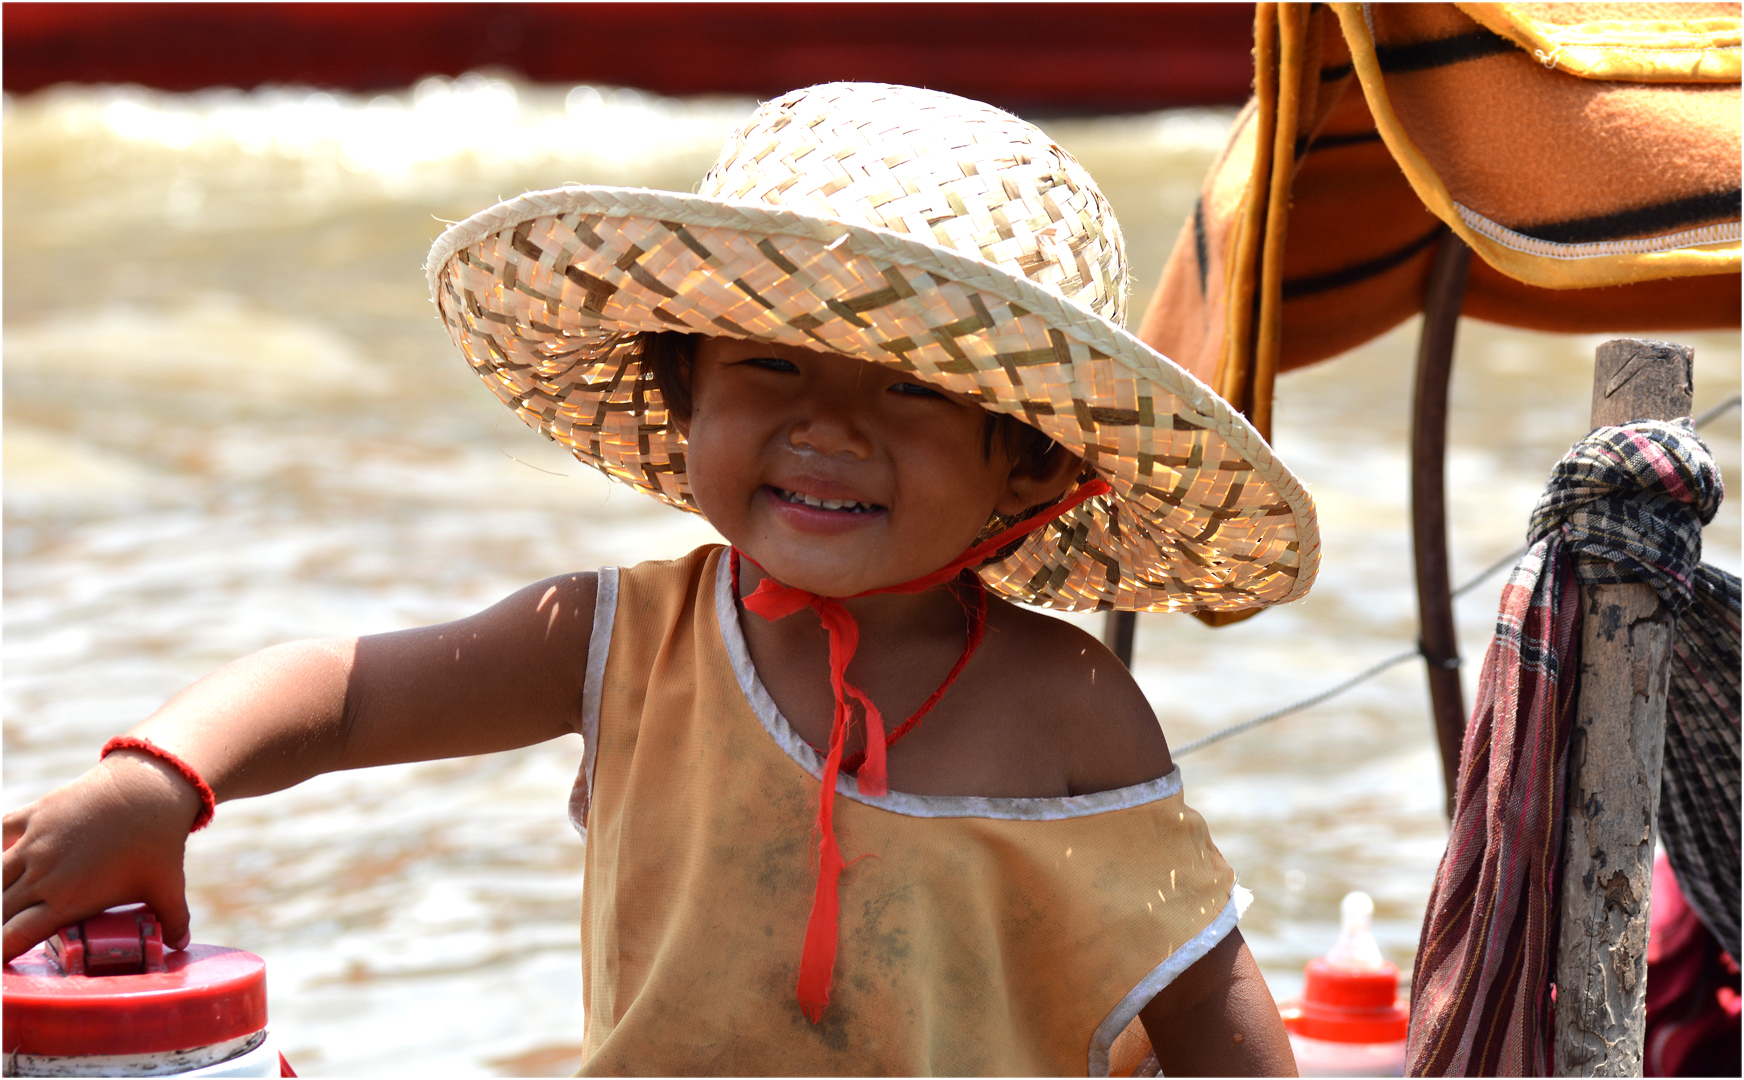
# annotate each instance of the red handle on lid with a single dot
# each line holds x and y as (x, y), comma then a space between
(108, 986)
(121, 941)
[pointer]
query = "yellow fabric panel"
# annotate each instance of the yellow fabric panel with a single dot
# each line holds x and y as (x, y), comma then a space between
(1513, 255)
(1377, 165)
(1623, 42)
(968, 945)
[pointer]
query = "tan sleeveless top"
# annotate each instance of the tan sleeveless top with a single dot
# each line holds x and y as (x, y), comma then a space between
(986, 936)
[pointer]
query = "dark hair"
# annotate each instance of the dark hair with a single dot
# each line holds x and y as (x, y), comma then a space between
(667, 356)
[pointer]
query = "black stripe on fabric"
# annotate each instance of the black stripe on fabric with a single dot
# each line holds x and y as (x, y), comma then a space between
(1659, 218)
(1333, 142)
(1423, 55)
(1350, 275)
(1328, 142)
(1201, 252)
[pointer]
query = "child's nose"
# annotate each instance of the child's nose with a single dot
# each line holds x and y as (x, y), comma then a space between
(830, 429)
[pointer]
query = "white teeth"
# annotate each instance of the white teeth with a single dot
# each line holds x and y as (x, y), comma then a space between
(825, 504)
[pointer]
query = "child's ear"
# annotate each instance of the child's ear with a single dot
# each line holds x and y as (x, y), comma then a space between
(1041, 482)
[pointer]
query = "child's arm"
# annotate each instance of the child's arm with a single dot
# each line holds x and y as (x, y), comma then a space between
(1218, 1019)
(509, 676)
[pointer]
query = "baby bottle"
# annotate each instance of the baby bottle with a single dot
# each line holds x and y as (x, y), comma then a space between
(104, 998)
(1349, 1021)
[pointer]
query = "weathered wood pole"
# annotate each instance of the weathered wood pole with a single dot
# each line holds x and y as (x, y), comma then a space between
(1615, 751)
(1437, 635)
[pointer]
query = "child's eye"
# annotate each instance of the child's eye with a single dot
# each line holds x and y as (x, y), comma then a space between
(771, 363)
(915, 389)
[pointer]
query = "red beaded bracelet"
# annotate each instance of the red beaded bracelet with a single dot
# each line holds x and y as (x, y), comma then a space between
(208, 801)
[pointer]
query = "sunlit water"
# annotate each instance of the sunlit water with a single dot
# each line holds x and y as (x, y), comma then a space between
(232, 419)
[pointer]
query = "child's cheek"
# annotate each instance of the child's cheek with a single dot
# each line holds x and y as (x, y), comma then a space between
(722, 480)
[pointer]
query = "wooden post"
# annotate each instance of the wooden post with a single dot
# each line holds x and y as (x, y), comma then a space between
(1118, 633)
(1615, 753)
(1436, 632)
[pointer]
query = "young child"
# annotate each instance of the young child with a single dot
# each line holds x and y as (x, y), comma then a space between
(845, 812)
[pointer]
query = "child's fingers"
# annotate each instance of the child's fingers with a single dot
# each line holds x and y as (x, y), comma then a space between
(17, 896)
(12, 827)
(11, 869)
(14, 862)
(30, 927)
(168, 898)
(171, 906)
(23, 864)
(34, 912)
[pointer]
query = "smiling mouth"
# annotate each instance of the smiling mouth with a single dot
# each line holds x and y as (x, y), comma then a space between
(842, 505)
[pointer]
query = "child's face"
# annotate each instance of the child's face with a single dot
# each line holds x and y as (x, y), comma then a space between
(837, 475)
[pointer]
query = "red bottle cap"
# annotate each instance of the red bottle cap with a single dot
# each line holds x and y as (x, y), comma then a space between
(1348, 1005)
(107, 986)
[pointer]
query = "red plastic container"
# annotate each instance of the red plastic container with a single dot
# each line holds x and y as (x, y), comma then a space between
(1348, 1005)
(1349, 1021)
(105, 998)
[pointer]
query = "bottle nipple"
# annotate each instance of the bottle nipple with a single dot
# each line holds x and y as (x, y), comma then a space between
(1356, 947)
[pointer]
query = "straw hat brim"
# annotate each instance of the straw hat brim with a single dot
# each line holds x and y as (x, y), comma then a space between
(540, 293)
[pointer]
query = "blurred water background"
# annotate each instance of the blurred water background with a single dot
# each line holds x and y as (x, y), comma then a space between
(232, 419)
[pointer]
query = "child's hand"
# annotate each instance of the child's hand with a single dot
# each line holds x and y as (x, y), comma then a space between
(115, 835)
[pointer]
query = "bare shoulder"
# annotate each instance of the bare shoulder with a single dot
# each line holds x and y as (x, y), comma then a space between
(1108, 734)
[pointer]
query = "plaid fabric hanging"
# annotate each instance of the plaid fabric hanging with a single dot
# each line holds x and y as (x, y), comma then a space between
(1625, 504)
(1699, 789)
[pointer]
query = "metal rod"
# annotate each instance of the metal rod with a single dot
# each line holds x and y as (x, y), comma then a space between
(1118, 632)
(1437, 637)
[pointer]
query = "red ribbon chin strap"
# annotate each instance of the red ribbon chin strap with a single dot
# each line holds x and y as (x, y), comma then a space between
(773, 600)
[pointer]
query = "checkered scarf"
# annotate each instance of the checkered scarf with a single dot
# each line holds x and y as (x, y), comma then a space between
(1625, 504)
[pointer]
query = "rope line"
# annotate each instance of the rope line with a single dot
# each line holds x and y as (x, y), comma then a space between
(1393, 661)
(1720, 409)
(1315, 699)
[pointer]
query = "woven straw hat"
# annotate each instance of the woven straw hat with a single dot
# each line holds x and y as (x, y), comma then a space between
(905, 227)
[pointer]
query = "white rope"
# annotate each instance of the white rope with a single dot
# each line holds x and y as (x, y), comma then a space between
(1725, 232)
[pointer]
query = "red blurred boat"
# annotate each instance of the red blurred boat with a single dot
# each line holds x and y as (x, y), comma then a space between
(1049, 57)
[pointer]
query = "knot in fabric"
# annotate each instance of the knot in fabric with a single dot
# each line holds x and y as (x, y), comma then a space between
(1631, 502)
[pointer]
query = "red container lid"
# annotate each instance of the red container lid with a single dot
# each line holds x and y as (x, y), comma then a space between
(60, 1000)
(1348, 1005)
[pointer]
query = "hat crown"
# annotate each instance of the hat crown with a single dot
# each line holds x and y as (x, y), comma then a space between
(940, 168)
